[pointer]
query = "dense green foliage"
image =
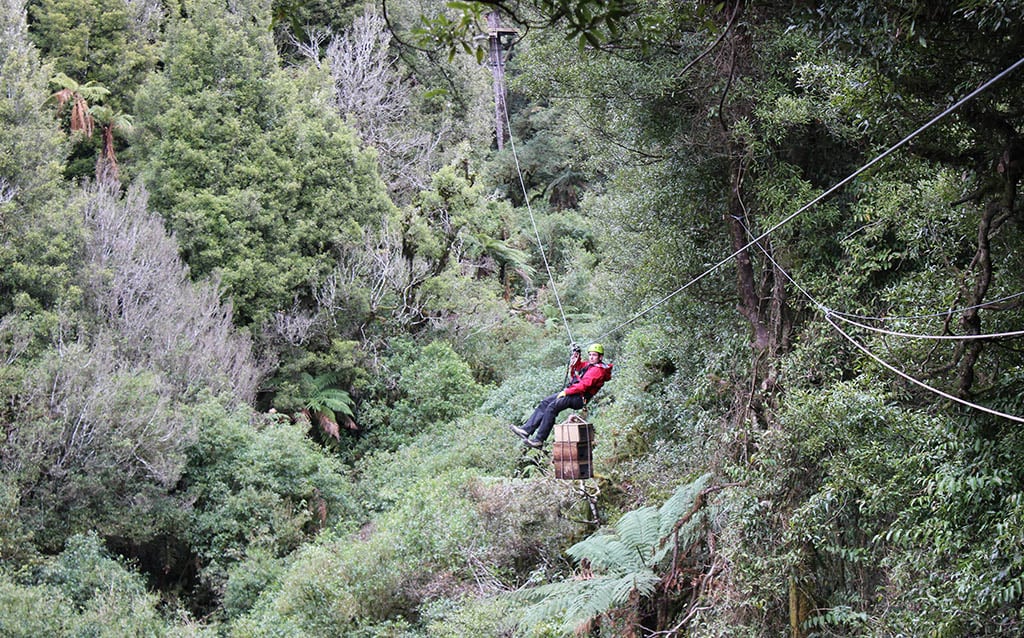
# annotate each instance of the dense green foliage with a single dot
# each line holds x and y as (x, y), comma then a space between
(244, 170)
(270, 293)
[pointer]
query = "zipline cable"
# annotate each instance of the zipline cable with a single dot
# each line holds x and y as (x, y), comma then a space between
(828, 314)
(911, 335)
(894, 370)
(934, 315)
(1013, 67)
(533, 220)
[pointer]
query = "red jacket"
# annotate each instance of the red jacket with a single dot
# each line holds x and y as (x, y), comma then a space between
(587, 378)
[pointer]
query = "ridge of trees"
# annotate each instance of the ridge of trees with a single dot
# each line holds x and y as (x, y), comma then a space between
(262, 333)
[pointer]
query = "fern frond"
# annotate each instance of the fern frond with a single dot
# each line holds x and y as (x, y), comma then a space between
(595, 597)
(333, 399)
(604, 594)
(688, 534)
(672, 512)
(639, 529)
(681, 503)
(591, 598)
(533, 595)
(547, 602)
(621, 590)
(324, 380)
(502, 252)
(572, 602)
(607, 554)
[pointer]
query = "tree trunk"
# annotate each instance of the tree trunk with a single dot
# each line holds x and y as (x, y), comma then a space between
(995, 214)
(749, 304)
(799, 609)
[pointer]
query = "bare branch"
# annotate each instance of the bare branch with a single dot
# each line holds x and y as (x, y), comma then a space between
(377, 101)
(138, 284)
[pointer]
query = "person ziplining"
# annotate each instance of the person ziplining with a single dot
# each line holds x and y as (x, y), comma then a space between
(586, 378)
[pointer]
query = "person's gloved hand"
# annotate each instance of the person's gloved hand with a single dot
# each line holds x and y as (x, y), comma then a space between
(561, 394)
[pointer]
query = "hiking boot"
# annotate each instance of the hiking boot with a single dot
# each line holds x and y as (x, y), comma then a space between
(534, 443)
(518, 431)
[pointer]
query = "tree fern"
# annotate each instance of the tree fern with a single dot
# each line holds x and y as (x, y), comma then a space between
(324, 403)
(568, 604)
(625, 561)
(639, 529)
(326, 399)
(681, 504)
(606, 552)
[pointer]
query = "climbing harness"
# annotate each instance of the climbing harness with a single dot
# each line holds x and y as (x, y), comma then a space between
(576, 352)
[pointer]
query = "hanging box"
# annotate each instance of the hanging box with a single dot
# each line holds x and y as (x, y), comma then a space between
(573, 451)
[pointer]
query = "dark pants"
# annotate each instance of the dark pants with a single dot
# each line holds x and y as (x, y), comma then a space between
(543, 418)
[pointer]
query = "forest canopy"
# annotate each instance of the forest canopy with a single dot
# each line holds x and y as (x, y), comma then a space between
(276, 277)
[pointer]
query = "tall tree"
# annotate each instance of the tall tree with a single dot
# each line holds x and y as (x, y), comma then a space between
(109, 42)
(372, 93)
(102, 413)
(262, 184)
(36, 235)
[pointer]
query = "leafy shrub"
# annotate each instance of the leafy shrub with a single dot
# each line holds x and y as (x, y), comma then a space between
(331, 587)
(431, 385)
(951, 552)
(821, 484)
(39, 249)
(248, 578)
(98, 595)
(29, 611)
(627, 563)
(477, 444)
(670, 401)
(438, 387)
(432, 542)
(84, 591)
(469, 616)
(258, 483)
(94, 430)
(478, 324)
(204, 154)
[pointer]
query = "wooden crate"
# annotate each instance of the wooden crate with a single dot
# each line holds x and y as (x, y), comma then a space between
(573, 451)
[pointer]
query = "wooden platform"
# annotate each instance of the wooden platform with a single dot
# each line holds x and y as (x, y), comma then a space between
(573, 451)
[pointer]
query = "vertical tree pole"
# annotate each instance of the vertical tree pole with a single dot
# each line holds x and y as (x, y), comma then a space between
(499, 41)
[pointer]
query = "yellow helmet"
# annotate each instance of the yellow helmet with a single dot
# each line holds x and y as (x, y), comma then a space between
(596, 347)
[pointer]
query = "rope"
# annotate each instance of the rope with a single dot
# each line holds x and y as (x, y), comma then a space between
(909, 335)
(934, 315)
(828, 314)
(533, 221)
(917, 382)
(851, 177)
